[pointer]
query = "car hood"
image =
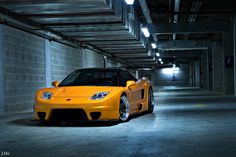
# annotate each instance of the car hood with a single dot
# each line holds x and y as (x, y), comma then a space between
(81, 91)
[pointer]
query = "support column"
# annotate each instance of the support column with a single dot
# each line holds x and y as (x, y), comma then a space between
(229, 62)
(197, 74)
(137, 74)
(191, 76)
(218, 67)
(204, 71)
(2, 98)
(47, 47)
(210, 69)
(235, 54)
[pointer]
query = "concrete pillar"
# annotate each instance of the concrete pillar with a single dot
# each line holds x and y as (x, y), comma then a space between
(210, 70)
(137, 74)
(218, 67)
(191, 74)
(228, 63)
(235, 54)
(1, 72)
(204, 71)
(47, 48)
(197, 73)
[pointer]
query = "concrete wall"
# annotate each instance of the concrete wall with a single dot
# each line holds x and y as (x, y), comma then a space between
(1, 72)
(92, 59)
(23, 68)
(179, 78)
(64, 60)
(29, 63)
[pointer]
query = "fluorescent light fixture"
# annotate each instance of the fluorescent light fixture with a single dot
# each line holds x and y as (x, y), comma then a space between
(154, 46)
(157, 54)
(129, 2)
(145, 32)
(171, 71)
(160, 59)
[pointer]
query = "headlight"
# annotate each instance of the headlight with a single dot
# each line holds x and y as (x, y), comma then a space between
(99, 96)
(46, 95)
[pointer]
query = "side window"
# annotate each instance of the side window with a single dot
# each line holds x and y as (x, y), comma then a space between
(125, 76)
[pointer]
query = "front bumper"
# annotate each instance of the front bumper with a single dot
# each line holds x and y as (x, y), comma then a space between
(81, 108)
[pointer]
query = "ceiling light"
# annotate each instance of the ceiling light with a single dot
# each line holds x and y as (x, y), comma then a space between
(154, 46)
(160, 59)
(161, 62)
(157, 54)
(145, 32)
(129, 2)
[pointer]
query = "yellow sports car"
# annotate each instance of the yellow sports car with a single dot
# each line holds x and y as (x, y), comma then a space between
(94, 94)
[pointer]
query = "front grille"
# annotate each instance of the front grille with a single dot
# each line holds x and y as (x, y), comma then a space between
(68, 115)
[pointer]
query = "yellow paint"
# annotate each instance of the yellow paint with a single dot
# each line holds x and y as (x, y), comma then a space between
(80, 99)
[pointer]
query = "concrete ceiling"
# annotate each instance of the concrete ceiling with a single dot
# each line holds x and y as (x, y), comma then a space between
(113, 28)
(104, 25)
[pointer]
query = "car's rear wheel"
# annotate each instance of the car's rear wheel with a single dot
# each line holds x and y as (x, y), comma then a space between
(150, 101)
(124, 108)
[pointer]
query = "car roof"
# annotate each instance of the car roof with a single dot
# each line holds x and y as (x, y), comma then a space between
(103, 69)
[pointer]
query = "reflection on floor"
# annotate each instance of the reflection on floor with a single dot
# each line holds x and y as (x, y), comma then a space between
(187, 122)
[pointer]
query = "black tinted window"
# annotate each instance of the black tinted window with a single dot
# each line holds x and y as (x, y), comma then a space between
(91, 78)
(125, 76)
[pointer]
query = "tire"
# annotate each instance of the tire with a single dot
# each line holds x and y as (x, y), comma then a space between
(150, 101)
(123, 109)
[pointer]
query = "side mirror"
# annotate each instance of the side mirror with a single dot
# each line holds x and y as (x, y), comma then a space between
(130, 83)
(55, 83)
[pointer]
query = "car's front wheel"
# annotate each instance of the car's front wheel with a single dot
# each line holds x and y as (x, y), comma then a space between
(124, 108)
(150, 101)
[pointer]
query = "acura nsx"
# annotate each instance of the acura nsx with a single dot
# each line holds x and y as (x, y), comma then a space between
(94, 94)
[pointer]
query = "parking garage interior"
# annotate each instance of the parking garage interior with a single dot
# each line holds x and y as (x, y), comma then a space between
(186, 48)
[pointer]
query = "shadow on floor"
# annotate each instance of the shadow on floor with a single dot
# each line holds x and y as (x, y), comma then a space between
(33, 123)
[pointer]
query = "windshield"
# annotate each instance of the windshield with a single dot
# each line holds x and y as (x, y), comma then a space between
(91, 78)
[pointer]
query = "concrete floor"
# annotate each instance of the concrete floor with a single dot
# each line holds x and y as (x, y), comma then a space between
(186, 123)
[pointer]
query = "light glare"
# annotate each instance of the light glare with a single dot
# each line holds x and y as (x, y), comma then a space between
(170, 71)
(145, 32)
(129, 2)
(154, 46)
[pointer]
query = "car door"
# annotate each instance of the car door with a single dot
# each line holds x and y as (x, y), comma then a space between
(135, 91)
